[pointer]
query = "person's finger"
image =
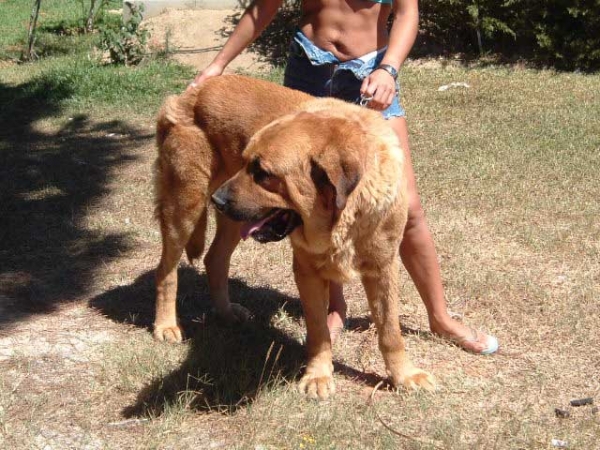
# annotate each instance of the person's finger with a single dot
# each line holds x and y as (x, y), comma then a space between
(382, 96)
(364, 86)
(376, 104)
(390, 98)
(370, 87)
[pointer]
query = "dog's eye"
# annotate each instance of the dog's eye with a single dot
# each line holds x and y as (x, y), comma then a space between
(264, 179)
(260, 175)
(268, 182)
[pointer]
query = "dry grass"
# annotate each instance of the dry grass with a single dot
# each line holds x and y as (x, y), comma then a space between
(508, 173)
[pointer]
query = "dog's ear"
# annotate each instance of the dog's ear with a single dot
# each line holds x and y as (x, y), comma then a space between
(335, 178)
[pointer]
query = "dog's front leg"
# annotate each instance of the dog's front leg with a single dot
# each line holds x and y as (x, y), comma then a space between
(381, 286)
(317, 382)
(217, 262)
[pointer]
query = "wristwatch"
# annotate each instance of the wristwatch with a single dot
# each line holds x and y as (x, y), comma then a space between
(389, 69)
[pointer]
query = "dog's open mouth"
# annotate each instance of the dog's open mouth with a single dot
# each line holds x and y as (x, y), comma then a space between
(273, 227)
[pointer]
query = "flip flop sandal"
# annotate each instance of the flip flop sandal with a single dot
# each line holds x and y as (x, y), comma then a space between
(491, 342)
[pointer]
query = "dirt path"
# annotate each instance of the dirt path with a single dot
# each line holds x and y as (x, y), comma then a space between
(197, 35)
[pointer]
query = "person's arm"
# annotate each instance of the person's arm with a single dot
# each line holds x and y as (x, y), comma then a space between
(403, 33)
(255, 19)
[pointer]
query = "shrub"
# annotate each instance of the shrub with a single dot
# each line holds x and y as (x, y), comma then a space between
(126, 44)
(567, 33)
(563, 33)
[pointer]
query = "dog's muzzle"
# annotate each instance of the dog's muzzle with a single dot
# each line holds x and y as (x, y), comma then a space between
(273, 226)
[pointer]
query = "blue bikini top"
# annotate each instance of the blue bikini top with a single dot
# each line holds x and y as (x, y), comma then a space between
(389, 2)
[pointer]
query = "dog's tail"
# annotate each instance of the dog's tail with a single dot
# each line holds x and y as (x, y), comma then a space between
(176, 110)
(182, 173)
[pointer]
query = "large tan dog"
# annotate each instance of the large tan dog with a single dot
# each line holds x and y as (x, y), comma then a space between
(326, 173)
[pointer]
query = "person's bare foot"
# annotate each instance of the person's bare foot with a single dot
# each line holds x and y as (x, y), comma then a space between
(466, 337)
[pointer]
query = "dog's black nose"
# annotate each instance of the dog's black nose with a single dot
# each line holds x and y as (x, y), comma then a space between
(219, 198)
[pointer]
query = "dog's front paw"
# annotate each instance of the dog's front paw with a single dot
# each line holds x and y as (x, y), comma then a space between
(413, 378)
(171, 334)
(317, 382)
(234, 314)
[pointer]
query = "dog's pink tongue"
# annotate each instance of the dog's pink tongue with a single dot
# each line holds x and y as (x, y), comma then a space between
(250, 227)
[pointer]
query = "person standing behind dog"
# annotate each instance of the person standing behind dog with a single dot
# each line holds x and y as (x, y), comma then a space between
(343, 49)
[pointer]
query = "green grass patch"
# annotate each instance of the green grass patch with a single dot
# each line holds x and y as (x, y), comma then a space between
(60, 25)
(69, 78)
(74, 85)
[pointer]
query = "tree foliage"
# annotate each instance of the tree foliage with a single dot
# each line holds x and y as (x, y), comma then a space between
(93, 8)
(563, 33)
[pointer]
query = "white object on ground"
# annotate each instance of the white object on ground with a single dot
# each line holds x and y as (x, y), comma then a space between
(445, 87)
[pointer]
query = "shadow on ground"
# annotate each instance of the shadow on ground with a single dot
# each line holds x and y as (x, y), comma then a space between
(226, 366)
(48, 182)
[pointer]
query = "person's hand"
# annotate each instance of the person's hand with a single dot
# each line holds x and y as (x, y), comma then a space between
(381, 86)
(211, 71)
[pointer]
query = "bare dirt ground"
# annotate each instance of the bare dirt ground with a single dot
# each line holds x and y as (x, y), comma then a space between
(197, 35)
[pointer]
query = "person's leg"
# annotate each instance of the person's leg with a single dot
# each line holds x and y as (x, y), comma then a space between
(336, 316)
(420, 259)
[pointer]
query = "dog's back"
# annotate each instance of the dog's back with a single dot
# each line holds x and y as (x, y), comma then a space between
(228, 110)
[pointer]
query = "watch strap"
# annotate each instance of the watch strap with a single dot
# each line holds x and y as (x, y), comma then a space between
(389, 69)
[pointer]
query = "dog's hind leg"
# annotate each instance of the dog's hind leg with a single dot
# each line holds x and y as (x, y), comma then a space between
(183, 172)
(175, 236)
(217, 262)
(166, 325)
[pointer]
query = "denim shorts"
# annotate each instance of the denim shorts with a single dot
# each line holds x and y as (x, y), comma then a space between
(319, 73)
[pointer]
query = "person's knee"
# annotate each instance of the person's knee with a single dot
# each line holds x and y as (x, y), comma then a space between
(416, 213)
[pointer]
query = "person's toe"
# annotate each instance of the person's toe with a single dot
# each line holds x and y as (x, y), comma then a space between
(479, 343)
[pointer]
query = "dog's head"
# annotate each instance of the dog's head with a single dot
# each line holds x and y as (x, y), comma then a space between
(299, 172)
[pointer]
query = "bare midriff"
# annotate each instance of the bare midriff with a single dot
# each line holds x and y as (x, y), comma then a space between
(347, 28)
